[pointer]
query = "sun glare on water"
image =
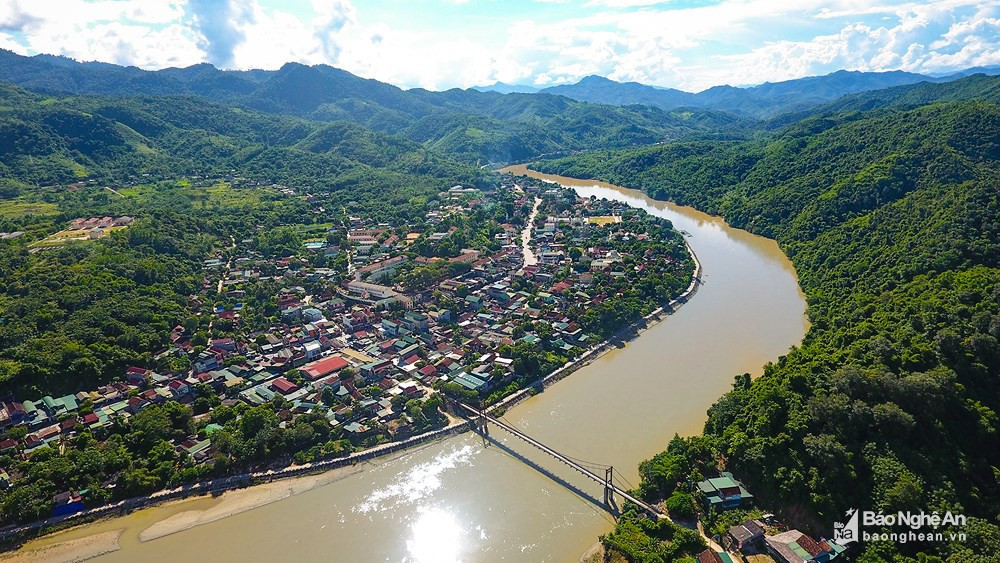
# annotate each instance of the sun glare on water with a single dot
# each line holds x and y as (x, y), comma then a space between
(436, 536)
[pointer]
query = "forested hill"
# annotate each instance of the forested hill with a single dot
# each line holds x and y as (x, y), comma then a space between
(893, 223)
(470, 125)
(49, 140)
(75, 316)
(765, 100)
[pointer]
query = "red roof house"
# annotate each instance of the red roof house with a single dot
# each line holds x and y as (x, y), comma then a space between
(323, 368)
(283, 386)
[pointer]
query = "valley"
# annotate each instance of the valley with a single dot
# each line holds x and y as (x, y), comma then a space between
(223, 277)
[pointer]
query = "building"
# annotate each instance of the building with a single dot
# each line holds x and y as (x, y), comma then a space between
(323, 368)
(370, 289)
(795, 547)
(283, 386)
(711, 556)
(378, 270)
(746, 537)
(724, 493)
(312, 349)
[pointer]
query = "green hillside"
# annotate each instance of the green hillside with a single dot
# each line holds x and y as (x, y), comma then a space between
(74, 317)
(59, 140)
(891, 402)
(515, 127)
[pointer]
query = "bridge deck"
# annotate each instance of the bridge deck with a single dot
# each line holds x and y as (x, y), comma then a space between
(576, 466)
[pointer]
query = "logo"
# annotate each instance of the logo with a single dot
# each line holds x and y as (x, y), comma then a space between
(918, 526)
(844, 534)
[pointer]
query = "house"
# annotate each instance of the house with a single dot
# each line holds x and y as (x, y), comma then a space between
(207, 361)
(724, 493)
(323, 368)
(795, 547)
(415, 322)
(390, 328)
(12, 413)
(375, 370)
(136, 376)
(335, 305)
(356, 429)
(312, 349)
(411, 389)
(283, 386)
(69, 502)
(312, 314)
(551, 257)
(427, 371)
(227, 344)
(178, 388)
(746, 537)
(710, 556)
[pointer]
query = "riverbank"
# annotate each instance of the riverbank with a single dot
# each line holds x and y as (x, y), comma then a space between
(632, 332)
(749, 311)
(246, 492)
(251, 494)
(247, 482)
(73, 550)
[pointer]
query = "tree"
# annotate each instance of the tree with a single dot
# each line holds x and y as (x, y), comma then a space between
(681, 506)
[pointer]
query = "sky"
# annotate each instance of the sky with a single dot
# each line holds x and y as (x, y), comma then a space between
(440, 44)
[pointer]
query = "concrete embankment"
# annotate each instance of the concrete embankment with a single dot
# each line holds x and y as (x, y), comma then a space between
(597, 351)
(222, 484)
(216, 486)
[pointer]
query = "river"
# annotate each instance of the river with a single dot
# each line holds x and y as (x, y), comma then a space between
(461, 500)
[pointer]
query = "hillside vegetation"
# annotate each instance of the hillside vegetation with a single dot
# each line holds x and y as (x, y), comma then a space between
(762, 101)
(886, 202)
(74, 317)
(891, 402)
(469, 125)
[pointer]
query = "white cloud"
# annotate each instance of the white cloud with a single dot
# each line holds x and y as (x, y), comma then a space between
(903, 46)
(651, 41)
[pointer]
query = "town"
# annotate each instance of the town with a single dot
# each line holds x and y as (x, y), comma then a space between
(297, 350)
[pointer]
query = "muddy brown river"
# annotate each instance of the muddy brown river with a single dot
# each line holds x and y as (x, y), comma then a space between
(461, 500)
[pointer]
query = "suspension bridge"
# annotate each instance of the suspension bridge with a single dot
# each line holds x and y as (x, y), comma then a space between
(589, 470)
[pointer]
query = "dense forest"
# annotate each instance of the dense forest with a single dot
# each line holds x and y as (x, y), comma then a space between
(885, 201)
(891, 218)
(468, 125)
(76, 316)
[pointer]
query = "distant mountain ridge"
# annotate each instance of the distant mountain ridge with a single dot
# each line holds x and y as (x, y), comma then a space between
(763, 101)
(476, 125)
(473, 126)
(504, 88)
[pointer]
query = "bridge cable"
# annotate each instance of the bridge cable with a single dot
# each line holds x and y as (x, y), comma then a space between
(591, 465)
(630, 487)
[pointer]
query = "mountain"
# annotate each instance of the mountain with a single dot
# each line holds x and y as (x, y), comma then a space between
(765, 100)
(988, 70)
(507, 88)
(892, 220)
(48, 140)
(477, 127)
(601, 90)
(974, 87)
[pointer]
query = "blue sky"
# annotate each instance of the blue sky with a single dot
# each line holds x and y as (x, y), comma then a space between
(438, 44)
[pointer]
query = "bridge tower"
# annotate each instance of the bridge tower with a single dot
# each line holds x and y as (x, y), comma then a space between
(483, 427)
(609, 475)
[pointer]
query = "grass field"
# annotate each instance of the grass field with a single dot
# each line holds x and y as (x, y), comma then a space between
(605, 219)
(67, 236)
(17, 209)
